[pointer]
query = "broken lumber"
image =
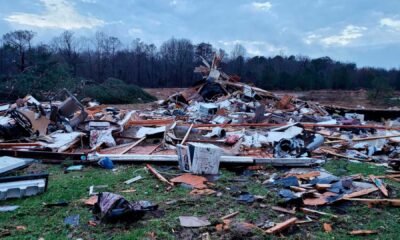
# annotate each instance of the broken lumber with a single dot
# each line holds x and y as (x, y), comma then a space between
(19, 145)
(120, 149)
(284, 210)
(360, 193)
(187, 134)
(133, 145)
(231, 215)
(308, 210)
(380, 185)
(158, 175)
(362, 232)
(281, 226)
(304, 221)
(306, 175)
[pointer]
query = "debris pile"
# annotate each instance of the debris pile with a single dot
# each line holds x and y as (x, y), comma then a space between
(242, 123)
(218, 122)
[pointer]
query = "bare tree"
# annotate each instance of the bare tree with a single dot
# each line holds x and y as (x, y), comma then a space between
(114, 44)
(66, 45)
(20, 41)
(101, 51)
(238, 51)
(178, 57)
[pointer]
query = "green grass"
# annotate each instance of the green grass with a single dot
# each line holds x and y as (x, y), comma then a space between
(72, 187)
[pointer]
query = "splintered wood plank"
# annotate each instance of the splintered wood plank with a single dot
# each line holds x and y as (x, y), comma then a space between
(360, 193)
(380, 185)
(284, 210)
(281, 226)
(158, 175)
(307, 210)
(305, 175)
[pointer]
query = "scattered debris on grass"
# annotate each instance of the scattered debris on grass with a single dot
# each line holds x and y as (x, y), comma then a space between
(280, 142)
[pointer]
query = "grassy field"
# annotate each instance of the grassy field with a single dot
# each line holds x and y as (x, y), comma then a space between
(47, 223)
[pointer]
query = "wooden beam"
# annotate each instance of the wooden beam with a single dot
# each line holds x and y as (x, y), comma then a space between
(133, 145)
(158, 175)
(360, 193)
(10, 145)
(122, 148)
(281, 226)
(284, 210)
(231, 215)
(187, 134)
(307, 210)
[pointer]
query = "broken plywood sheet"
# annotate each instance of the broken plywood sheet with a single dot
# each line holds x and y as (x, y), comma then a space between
(193, 180)
(143, 149)
(116, 150)
(39, 124)
(62, 141)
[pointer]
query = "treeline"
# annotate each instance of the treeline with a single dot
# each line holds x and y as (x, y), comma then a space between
(75, 62)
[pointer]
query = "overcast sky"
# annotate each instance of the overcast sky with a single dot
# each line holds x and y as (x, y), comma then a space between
(366, 32)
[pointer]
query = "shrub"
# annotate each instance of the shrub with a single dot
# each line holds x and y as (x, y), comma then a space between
(39, 84)
(381, 91)
(115, 91)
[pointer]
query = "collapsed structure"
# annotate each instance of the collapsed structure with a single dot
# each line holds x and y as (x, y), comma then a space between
(219, 121)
